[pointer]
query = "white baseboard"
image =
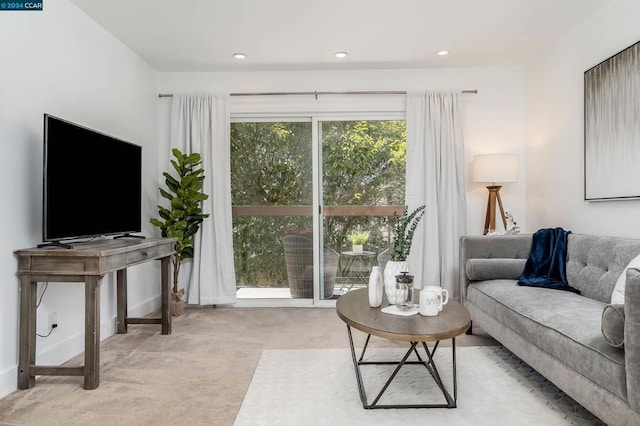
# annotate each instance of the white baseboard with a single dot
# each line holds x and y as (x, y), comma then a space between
(72, 346)
(8, 381)
(142, 309)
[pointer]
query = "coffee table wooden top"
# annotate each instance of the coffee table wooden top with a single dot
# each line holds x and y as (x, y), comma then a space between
(353, 308)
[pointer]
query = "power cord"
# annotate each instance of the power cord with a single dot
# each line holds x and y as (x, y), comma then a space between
(42, 294)
(53, 327)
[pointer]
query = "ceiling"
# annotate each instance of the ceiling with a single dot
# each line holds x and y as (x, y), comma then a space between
(202, 35)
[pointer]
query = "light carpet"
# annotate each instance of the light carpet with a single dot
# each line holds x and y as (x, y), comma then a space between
(318, 387)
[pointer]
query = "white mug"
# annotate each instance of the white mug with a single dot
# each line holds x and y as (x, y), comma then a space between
(444, 294)
(429, 302)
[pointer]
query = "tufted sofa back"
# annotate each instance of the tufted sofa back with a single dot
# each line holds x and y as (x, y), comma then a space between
(594, 263)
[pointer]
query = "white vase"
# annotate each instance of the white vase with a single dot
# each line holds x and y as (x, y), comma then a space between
(391, 269)
(356, 248)
(375, 287)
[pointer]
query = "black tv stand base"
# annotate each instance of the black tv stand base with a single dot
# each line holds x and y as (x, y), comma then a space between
(59, 244)
(128, 236)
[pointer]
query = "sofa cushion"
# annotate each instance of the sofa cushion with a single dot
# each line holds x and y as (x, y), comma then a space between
(594, 263)
(493, 269)
(563, 324)
(613, 325)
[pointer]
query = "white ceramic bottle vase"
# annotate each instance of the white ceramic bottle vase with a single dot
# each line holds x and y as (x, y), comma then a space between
(376, 286)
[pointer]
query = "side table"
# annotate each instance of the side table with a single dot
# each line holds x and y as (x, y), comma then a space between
(357, 268)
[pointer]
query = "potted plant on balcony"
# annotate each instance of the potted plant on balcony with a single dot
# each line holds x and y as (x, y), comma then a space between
(184, 215)
(357, 240)
(402, 230)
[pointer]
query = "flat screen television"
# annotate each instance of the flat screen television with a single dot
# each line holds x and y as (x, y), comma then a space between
(92, 183)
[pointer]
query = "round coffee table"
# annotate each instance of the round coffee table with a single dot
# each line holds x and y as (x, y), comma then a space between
(353, 308)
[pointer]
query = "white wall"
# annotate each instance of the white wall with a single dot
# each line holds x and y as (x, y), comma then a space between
(495, 120)
(59, 61)
(555, 132)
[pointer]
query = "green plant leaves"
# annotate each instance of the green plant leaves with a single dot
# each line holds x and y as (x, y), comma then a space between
(182, 220)
(358, 237)
(403, 229)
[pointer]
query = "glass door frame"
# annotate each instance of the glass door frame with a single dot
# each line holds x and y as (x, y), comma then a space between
(277, 302)
(316, 118)
(318, 206)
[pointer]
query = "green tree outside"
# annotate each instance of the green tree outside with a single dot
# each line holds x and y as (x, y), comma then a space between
(363, 163)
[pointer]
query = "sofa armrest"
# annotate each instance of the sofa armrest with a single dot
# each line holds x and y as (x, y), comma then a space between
(490, 247)
(632, 337)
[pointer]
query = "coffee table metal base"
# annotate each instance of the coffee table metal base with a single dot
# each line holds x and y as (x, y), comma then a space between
(428, 363)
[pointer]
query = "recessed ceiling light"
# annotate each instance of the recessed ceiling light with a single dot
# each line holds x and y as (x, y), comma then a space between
(442, 52)
(341, 55)
(239, 55)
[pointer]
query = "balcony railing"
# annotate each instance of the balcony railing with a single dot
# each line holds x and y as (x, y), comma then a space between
(254, 270)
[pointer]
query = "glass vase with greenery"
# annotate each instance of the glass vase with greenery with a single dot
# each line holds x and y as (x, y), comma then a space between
(402, 229)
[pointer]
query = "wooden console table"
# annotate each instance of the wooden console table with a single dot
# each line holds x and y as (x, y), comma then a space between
(87, 263)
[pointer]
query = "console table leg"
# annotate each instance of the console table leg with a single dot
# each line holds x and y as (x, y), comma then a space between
(27, 356)
(165, 294)
(92, 333)
(121, 279)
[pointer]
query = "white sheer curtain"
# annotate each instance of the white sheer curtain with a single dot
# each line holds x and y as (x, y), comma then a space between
(435, 177)
(201, 123)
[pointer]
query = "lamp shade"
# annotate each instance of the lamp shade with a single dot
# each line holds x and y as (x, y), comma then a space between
(497, 168)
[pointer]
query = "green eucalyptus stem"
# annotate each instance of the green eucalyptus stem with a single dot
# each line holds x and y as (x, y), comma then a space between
(403, 229)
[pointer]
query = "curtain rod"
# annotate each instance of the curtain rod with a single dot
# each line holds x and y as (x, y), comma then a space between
(366, 92)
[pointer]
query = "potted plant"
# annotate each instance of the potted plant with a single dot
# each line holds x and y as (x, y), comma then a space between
(184, 215)
(402, 230)
(358, 239)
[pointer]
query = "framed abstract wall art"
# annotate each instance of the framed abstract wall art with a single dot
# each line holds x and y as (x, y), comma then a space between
(612, 127)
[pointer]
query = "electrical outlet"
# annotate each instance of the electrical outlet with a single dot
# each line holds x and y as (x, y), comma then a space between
(53, 319)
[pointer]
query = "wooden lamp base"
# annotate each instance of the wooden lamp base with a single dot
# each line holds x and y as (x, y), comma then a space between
(490, 219)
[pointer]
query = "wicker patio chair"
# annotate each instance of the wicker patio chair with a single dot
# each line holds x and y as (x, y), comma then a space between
(298, 257)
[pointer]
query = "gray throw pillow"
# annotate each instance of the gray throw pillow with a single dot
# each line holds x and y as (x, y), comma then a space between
(613, 325)
(494, 269)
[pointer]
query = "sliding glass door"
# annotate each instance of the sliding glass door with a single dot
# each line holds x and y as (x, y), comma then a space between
(271, 190)
(301, 190)
(363, 175)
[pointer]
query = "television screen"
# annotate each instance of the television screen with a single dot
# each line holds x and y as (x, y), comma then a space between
(92, 183)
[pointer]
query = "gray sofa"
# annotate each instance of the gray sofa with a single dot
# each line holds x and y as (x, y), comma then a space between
(557, 332)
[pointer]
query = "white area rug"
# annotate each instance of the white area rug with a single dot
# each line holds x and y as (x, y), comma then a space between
(318, 387)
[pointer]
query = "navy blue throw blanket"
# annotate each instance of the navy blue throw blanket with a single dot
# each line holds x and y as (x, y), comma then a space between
(547, 262)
